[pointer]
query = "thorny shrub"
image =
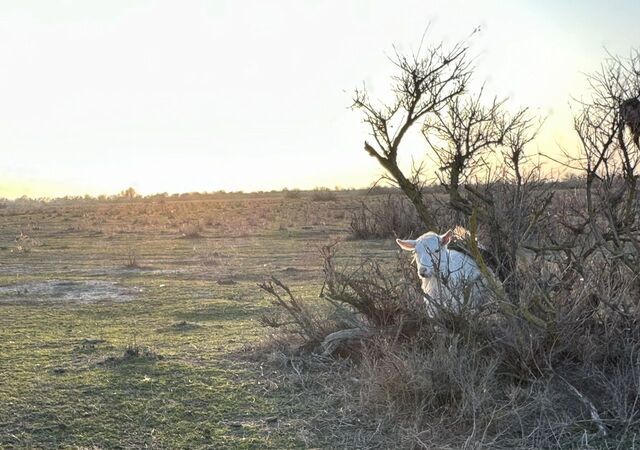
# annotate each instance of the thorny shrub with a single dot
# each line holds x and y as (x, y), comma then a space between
(551, 358)
(501, 380)
(385, 217)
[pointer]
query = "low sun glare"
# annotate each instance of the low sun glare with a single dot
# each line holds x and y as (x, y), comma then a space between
(206, 96)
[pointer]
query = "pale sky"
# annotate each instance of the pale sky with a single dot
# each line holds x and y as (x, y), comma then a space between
(180, 96)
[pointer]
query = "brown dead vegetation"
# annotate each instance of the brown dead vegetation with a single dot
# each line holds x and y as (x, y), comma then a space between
(551, 358)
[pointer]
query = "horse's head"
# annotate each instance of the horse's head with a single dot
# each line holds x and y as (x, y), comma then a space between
(431, 252)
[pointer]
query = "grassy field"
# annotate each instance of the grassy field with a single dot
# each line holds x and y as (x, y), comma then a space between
(134, 324)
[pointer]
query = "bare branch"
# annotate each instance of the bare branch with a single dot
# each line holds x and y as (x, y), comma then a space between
(425, 83)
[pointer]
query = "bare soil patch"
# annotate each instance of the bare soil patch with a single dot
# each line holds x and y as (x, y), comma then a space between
(85, 291)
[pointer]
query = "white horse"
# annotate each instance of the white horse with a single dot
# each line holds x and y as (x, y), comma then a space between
(450, 278)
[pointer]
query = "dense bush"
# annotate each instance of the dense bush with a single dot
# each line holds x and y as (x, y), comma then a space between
(323, 195)
(567, 377)
(386, 216)
(551, 357)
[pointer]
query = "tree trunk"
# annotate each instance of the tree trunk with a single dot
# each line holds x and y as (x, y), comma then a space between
(413, 193)
(388, 161)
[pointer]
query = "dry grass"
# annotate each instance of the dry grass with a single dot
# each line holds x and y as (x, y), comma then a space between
(131, 260)
(387, 216)
(68, 304)
(323, 195)
(192, 229)
(467, 380)
(555, 367)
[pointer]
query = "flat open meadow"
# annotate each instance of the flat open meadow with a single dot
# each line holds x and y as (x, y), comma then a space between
(134, 324)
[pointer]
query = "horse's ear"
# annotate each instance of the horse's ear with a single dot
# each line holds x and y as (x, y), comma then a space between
(446, 238)
(406, 244)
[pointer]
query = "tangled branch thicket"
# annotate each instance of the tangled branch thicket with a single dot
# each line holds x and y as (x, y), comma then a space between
(551, 360)
(390, 216)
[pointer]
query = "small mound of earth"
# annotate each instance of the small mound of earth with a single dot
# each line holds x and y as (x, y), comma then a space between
(87, 291)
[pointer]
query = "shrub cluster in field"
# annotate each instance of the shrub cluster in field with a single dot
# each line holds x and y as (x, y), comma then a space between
(181, 217)
(323, 195)
(385, 217)
(536, 374)
(549, 358)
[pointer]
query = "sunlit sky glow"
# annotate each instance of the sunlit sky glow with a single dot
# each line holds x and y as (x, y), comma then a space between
(169, 96)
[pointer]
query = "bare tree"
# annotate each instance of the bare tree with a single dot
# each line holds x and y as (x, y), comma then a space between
(129, 193)
(424, 85)
(630, 117)
(469, 137)
(610, 157)
(463, 134)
